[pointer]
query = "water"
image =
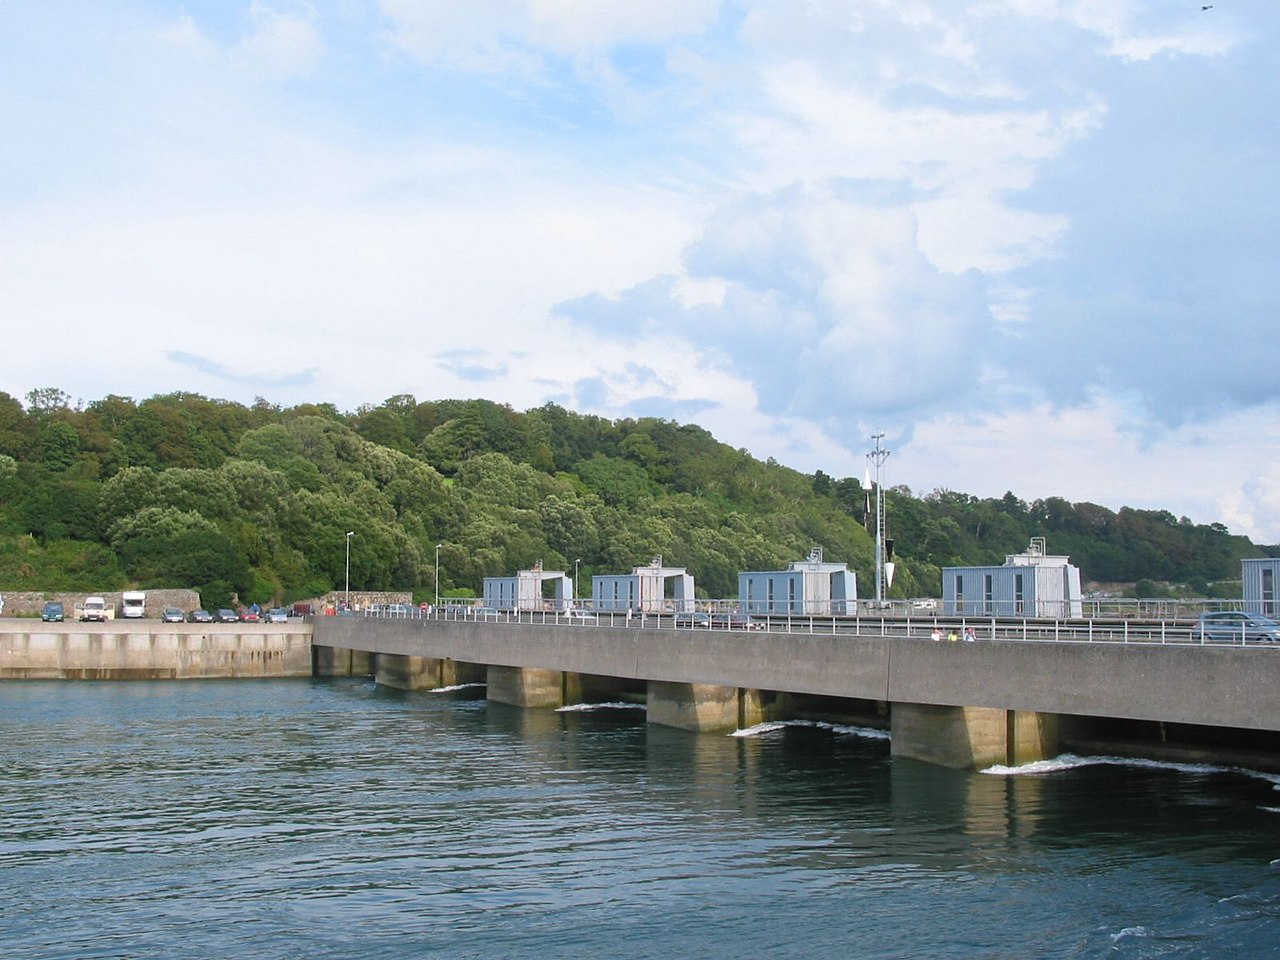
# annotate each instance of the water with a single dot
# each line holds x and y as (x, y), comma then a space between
(327, 819)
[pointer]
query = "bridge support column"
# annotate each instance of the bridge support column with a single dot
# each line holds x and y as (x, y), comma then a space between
(414, 673)
(971, 738)
(340, 662)
(526, 686)
(703, 707)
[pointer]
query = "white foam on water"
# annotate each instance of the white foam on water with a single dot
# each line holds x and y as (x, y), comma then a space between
(456, 686)
(837, 728)
(587, 707)
(1069, 761)
(1130, 932)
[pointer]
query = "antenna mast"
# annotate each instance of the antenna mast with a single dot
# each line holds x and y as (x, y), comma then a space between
(877, 457)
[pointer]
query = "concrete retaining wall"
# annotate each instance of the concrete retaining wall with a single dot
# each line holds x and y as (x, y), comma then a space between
(131, 650)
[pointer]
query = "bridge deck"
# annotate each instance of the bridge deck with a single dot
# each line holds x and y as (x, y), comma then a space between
(1133, 674)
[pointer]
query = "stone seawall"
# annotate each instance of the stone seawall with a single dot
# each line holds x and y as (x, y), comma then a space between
(29, 603)
(133, 650)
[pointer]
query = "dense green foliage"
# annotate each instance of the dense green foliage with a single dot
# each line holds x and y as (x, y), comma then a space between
(181, 490)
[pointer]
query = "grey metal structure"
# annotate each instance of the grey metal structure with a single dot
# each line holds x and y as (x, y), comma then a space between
(1259, 577)
(525, 591)
(808, 586)
(643, 590)
(1029, 584)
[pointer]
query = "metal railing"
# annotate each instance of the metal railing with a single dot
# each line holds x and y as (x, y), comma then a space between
(885, 625)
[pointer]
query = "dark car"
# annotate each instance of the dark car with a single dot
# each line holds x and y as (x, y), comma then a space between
(1234, 626)
(200, 616)
(172, 615)
(228, 616)
(52, 612)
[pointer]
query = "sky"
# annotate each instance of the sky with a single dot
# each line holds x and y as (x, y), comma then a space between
(1033, 242)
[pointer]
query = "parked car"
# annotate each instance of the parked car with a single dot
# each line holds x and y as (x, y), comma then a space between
(172, 615)
(486, 613)
(277, 615)
(1234, 626)
(579, 615)
(697, 619)
(53, 612)
(200, 616)
(228, 616)
(734, 621)
(397, 610)
(249, 616)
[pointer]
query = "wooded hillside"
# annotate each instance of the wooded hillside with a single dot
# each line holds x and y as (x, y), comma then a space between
(184, 491)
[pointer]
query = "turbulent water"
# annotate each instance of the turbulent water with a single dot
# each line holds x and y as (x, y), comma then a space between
(325, 819)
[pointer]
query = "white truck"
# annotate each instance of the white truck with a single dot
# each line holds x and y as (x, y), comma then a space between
(133, 604)
(95, 610)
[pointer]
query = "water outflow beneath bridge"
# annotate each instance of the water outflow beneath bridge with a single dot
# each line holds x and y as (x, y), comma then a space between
(325, 819)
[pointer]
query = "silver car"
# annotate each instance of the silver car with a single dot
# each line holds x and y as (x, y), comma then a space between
(1234, 626)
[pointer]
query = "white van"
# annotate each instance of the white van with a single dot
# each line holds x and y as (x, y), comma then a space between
(95, 610)
(133, 604)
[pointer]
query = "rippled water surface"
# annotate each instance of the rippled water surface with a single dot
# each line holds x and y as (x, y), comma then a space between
(325, 819)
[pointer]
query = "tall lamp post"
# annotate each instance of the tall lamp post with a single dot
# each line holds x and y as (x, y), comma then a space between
(438, 546)
(350, 534)
(878, 457)
(575, 580)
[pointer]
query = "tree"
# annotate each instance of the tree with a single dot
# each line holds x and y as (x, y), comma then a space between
(44, 402)
(59, 444)
(16, 430)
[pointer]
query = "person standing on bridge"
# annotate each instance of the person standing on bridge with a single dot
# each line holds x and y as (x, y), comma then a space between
(969, 634)
(937, 633)
(952, 635)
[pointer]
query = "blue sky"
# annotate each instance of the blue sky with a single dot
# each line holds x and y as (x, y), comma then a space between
(1034, 241)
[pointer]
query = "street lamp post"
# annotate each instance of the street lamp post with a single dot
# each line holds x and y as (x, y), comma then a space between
(575, 580)
(438, 546)
(350, 534)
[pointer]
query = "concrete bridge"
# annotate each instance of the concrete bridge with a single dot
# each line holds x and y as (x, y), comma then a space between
(957, 704)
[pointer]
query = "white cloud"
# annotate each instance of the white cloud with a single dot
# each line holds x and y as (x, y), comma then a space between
(517, 36)
(282, 44)
(1102, 452)
(987, 222)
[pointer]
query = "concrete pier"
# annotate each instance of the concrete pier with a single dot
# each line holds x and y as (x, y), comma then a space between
(971, 737)
(703, 707)
(403, 672)
(526, 686)
(341, 662)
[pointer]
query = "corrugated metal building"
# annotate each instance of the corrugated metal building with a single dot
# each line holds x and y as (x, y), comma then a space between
(1030, 584)
(526, 590)
(1259, 577)
(644, 590)
(808, 586)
